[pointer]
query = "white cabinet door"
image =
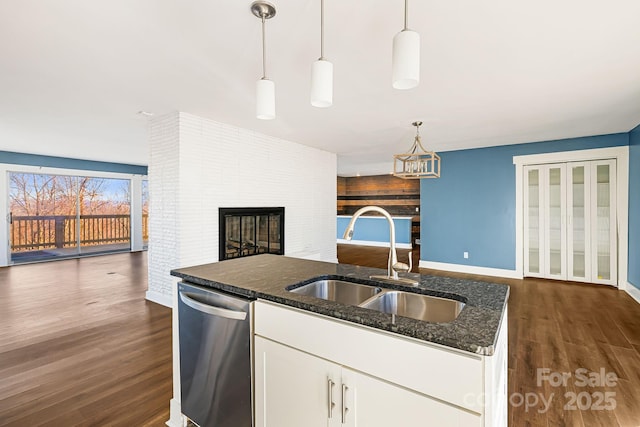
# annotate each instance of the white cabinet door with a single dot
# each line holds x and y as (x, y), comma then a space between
(545, 221)
(570, 221)
(555, 253)
(292, 388)
(579, 220)
(534, 224)
(604, 264)
(371, 402)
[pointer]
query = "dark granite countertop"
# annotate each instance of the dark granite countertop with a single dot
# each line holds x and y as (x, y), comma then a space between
(267, 277)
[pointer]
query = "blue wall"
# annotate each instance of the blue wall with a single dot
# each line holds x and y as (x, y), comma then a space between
(634, 207)
(376, 229)
(65, 163)
(471, 207)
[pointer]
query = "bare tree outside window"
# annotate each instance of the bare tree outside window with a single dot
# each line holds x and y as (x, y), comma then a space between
(53, 215)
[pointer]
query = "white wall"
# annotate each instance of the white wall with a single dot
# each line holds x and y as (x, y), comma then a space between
(198, 165)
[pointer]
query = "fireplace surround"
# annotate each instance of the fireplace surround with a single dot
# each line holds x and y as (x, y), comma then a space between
(250, 231)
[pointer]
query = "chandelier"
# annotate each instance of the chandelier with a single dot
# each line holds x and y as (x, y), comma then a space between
(418, 162)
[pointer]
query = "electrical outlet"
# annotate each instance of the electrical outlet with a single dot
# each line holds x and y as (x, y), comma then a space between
(417, 209)
(465, 255)
(417, 241)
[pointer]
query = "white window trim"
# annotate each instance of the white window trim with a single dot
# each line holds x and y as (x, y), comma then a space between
(136, 205)
(621, 155)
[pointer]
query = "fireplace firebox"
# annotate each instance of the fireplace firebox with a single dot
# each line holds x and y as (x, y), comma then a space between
(250, 231)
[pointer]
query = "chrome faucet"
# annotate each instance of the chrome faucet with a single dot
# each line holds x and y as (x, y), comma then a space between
(393, 266)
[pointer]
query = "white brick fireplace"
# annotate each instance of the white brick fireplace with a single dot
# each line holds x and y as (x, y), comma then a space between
(197, 166)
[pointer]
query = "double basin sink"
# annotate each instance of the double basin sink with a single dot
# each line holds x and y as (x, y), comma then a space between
(407, 304)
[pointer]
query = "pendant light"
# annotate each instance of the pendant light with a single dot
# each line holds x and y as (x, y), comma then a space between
(265, 88)
(418, 162)
(406, 56)
(322, 73)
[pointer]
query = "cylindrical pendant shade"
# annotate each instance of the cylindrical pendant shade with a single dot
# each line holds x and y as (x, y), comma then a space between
(406, 60)
(322, 83)
(265, 99)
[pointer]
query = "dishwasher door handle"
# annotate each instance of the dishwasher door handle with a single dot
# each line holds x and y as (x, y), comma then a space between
(211, 309)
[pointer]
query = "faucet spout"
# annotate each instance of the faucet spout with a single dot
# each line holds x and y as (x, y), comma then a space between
(393, 256)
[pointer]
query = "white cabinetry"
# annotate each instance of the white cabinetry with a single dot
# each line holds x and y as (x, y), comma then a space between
(570, 221)
(376, 403)
(320, 371)
(294, 388)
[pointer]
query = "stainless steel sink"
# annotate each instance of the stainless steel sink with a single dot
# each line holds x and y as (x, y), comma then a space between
(416, 306)
(400, 303)
(338, 290)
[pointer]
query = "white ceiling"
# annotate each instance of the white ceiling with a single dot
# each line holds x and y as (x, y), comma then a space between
(74, 73)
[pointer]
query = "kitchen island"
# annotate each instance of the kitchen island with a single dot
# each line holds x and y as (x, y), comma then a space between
(321, 362)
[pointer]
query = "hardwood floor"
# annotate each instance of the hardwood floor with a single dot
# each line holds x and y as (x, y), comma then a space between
(79, 345)
(563, 327)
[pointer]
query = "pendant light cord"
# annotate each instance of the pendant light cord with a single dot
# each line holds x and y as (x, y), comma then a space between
(406, 15)
(321, 30)
(264, 52)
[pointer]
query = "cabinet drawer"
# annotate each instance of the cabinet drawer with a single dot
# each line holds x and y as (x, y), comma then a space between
(430, 369)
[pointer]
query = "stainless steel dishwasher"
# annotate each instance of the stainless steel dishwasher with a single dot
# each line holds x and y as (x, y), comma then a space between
(215, 357)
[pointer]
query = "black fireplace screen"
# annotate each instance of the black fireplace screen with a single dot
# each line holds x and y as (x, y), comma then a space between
(251, 231)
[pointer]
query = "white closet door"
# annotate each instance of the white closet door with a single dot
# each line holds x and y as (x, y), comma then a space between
(604, 266)
(533, 222)
(578, 221)
(555, 236)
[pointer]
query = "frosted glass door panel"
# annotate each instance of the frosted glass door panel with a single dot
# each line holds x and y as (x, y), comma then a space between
(570, 221)
(533, 222)
(578, 238)
(603, 225)
(555, 258)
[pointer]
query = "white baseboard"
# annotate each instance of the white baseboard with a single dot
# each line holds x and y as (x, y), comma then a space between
(470, 269)
(633, 291)
(158, 298)
(372, 243)
(176, 419)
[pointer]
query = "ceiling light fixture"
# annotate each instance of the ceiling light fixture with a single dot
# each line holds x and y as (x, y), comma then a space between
(418, 162)
(406, 56)
(265, 88)
(322, 73)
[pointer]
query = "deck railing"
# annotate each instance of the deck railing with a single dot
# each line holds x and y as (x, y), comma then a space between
(29, 233)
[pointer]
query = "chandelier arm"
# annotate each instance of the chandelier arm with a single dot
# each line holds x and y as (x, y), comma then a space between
(418, 142)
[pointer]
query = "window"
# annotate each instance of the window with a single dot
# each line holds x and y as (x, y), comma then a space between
(54, 216)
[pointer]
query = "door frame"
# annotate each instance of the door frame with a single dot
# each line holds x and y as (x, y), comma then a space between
(621, 155)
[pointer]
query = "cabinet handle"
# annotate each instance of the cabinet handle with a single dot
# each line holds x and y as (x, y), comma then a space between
(344, 403)
(331, 404)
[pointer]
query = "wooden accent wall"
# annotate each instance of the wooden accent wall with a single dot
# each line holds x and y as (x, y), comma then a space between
(400, 197)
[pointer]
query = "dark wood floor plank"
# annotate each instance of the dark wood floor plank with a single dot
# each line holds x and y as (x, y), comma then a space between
(80, 346)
